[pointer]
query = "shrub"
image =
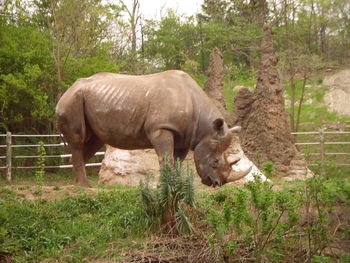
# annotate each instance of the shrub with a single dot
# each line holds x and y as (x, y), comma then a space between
(165, 205)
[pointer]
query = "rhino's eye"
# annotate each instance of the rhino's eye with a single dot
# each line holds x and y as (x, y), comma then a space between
(215, 163)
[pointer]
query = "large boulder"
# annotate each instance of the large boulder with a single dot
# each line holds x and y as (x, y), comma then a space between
(129, 167)
(338, 96)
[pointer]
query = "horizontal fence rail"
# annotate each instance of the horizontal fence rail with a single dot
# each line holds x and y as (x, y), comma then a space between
(9, 146)
(322, 143)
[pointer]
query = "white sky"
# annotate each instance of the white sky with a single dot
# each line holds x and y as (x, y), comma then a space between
(153, 9)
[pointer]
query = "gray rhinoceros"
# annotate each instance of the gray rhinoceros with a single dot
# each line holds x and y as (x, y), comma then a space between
(166, 111)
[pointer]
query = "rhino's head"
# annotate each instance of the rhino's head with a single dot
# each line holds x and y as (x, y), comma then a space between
(211, 165)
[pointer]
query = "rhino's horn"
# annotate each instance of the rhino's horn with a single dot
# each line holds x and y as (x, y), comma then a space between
(236, 129)
(233, 159)
(236, 175)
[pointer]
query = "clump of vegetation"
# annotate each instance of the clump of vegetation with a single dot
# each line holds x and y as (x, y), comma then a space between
(268, 168)
(252, 221)
(69, 229)
(265, 225)
(167, 204)
(40, 172)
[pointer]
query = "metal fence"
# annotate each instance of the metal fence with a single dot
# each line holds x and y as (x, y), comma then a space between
(318, 140)
(320, 145)
(9, 156)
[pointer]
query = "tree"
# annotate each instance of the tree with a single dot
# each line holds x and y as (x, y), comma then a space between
(78, 29)
(42, 53)
(171, 42)
(25, 77)
(134, 17)
(243, 22)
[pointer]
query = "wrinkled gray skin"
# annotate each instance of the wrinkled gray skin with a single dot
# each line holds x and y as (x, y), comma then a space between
(166, 111)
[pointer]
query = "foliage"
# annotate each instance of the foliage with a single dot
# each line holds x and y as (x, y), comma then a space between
(253, 221)
(39, 59)
(25, 75)
(166, 204)
(265, 224)
(268, 168)
(172, 42)
(69, 229)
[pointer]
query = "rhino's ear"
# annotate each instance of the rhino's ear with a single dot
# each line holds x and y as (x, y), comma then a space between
(218, 126)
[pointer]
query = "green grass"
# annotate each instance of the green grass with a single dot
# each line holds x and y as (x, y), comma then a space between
(59, 177)
(106, 224)
(72, 228)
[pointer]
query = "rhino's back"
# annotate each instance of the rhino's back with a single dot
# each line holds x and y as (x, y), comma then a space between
(122, 109)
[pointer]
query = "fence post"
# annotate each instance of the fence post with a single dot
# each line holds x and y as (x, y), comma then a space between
(8, 156)
(322, 151)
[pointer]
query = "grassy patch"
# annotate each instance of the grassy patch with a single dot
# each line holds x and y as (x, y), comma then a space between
(254, 221)
(69, 229)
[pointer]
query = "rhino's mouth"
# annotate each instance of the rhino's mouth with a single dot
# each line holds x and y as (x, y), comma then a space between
(209, 182)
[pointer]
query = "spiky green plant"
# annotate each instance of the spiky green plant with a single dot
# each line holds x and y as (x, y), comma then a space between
(164, 205)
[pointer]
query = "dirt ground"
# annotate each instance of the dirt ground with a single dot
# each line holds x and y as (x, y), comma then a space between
(29, 191)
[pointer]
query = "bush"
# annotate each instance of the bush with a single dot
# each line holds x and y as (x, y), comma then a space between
(165, 205)
(268, 225)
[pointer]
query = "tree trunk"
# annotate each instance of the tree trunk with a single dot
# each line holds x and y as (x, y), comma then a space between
(301, 102)
(292, 104)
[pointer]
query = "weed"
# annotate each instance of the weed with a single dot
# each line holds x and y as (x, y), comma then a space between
(40, 172)
(56, 188)
(165, 205)
(263, 224)
(268, 168)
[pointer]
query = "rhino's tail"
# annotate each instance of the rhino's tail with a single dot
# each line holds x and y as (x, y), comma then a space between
(71, 117)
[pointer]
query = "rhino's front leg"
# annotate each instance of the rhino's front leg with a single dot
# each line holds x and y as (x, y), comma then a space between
(180, 154)
(163, 143)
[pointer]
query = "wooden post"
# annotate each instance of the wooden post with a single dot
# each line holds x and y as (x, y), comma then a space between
(322, 151)
(8, 156)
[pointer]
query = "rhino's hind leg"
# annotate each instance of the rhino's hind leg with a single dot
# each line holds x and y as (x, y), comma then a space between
(79, 165)
(91, 147)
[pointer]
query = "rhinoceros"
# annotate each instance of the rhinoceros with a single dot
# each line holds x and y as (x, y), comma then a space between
(166, 111)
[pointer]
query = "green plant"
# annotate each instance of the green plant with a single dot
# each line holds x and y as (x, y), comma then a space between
(166, 205)
(56, 188)
(71, 228)
(269, 225)
(322, 199)
(268, 168)
(249, 221)
(40, 172)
